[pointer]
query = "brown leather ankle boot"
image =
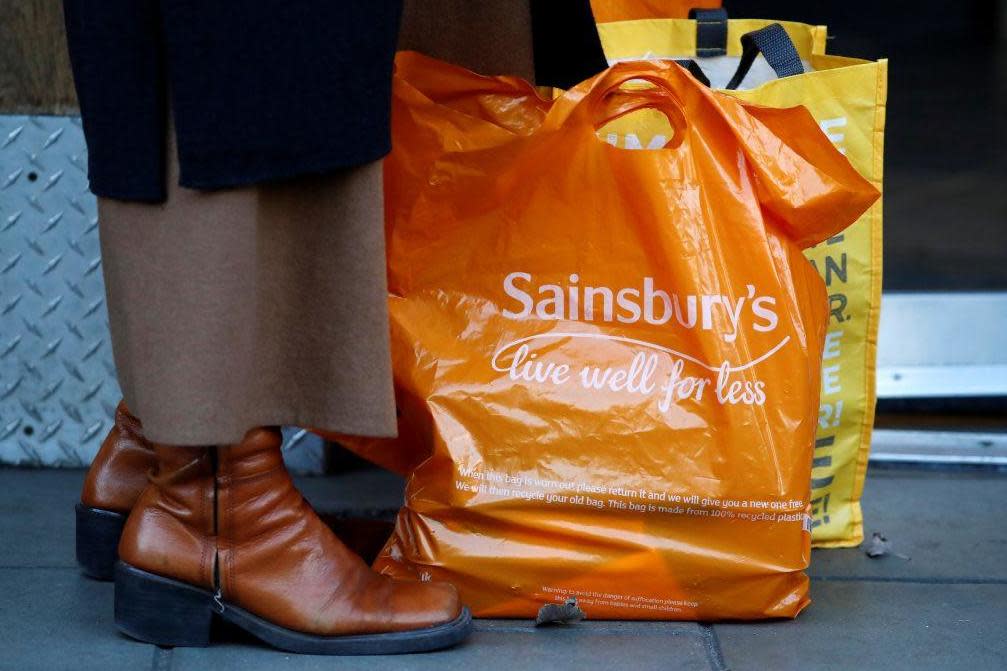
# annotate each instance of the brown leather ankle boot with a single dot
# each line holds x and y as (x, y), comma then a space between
(223, 532)
(114, 482)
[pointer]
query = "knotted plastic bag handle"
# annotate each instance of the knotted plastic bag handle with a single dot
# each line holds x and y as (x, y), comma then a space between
(608, 100)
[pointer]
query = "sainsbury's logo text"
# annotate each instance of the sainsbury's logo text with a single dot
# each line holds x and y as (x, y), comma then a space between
(645, 302)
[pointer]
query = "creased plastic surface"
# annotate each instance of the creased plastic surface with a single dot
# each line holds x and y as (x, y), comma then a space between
(607, 361)
(847, 97)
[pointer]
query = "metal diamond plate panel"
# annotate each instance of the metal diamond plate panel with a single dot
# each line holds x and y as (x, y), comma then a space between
(57, 381)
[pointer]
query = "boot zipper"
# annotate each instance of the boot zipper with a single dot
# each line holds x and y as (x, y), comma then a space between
(214, 465)
(217, 602)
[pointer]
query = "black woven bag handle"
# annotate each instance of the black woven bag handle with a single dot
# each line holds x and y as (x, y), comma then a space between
(775, 45)
(711, 31)
(694, 69)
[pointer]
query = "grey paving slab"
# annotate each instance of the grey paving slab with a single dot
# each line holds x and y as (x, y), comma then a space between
(496, 645)
(952, 525)
(55, 619)
(945, 608)
(879, 625)
(37, 518)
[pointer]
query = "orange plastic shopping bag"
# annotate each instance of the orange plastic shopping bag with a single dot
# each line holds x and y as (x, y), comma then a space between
(606, 360)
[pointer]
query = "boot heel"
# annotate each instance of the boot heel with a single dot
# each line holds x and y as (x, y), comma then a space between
(98, 533)
(160, 610)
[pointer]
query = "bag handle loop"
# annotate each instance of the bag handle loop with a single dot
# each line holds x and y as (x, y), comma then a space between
(695, 70)
(662, 97)
(775, 45)
(711, 31)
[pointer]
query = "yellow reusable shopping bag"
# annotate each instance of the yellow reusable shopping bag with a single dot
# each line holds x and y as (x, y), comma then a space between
(847, 97)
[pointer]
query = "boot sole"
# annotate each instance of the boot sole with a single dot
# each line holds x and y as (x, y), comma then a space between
(98, 533)
(163, 611)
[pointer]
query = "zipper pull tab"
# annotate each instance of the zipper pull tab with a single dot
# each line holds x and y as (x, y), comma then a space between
(217, 601)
